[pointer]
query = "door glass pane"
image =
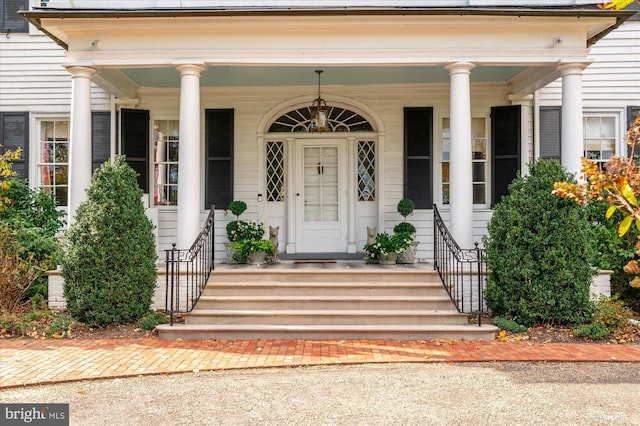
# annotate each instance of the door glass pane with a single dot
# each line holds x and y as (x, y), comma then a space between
(321, 182)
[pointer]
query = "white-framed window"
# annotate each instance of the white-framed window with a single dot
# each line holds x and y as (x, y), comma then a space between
(53, 158)
(165, 162)
(601, 137)
(479, 158)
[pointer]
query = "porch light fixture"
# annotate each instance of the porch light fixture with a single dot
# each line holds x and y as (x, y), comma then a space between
(319, 112)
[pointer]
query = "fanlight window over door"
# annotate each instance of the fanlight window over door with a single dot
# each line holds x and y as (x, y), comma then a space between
(340, 120)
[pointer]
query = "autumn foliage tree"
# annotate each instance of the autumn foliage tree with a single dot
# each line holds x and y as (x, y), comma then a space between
(619, 185)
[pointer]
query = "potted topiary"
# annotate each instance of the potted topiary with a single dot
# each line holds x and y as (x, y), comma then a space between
(235, 229)
(405, 208)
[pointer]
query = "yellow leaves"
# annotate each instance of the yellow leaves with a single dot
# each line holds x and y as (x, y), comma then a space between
(622, 185)
(625, 225)
(635, 283)
(615, 4)
(610, 211)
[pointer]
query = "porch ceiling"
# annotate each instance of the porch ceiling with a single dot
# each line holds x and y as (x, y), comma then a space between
(251, 76)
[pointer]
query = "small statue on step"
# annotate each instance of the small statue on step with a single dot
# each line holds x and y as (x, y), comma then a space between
(273, 237)
(371, 238)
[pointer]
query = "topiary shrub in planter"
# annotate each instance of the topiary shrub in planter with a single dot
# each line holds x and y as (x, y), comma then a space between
(109, 263)
(405, 208)
(540, 250)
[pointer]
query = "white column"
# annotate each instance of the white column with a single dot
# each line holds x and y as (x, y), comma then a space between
(572, 140)
(461, 179)
(526, 131)
(79, 138)
(189, 155)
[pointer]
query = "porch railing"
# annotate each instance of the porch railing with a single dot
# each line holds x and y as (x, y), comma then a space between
(463, 271)
(188, 271)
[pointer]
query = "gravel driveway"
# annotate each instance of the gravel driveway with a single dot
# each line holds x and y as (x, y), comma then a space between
(371, 394)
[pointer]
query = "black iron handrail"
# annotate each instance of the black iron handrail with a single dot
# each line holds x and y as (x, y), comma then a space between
(463, 272)
(188, 271)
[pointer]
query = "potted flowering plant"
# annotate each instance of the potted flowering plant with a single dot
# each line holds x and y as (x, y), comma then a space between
(386, 247)
(254, 250)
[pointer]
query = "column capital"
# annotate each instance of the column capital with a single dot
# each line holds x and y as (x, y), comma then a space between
(460, 68)
(81, 71)
(190, 69)
(572, 68)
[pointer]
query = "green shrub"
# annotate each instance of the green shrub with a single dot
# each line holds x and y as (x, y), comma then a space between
(405, 227)
(506, 324)
(237, 208)
(594, 331)
(33, 219)
(405, 207)
(151, 320)
(539, 252)
(18, 271)
(109, 265)
(37, 323)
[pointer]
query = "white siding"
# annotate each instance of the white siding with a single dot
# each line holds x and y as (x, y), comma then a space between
(613, 79)
(33, 79)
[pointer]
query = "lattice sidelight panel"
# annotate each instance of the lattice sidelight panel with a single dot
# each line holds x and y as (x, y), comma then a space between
(366, 171)
(275, 171)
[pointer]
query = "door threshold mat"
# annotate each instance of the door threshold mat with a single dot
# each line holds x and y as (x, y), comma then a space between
(313, 262)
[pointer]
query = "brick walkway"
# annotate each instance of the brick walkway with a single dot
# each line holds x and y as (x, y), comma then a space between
(29, 362)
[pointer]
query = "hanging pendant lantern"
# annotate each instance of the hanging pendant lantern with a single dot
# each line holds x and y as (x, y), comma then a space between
(319, 112)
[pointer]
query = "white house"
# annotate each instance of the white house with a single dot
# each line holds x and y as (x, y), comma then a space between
(438, 101)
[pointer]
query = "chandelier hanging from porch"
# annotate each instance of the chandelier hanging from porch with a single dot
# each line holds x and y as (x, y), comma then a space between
(319, 112)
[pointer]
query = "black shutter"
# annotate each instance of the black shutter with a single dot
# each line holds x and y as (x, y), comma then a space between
(505, 158)
(632, 113)
(100, 138)
(219, 152)
(135, 142)
(418, 146)
(14, 134)
(10, 21)
(550, 132)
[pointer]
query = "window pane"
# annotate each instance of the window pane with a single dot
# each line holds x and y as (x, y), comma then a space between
(53, 158)
(479, 194)
(165, 163)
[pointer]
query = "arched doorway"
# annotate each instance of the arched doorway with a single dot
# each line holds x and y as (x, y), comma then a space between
(321, 187)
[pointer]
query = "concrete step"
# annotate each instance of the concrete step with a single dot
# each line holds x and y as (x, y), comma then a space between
(365, 274)
(325, 302)
(326, 317)
(339, 288)
(325, 332)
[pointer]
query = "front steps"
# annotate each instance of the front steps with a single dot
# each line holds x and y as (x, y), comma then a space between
(325, 304)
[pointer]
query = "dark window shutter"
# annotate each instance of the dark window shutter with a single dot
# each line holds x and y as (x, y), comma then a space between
(219, 151)
(135, 143)
(14, 134)
(418, 146)
(550, 132)
(632, 113)
(10, 21)
(100, 138)
(505, 158)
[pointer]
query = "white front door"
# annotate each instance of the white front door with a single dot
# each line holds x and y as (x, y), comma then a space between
(321, 196)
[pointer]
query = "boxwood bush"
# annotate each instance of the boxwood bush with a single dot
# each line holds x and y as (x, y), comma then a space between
(109, 264)
(540, 249)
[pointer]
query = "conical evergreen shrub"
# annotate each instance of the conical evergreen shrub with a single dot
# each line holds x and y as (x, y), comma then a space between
(109, 262)
(540, 249)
